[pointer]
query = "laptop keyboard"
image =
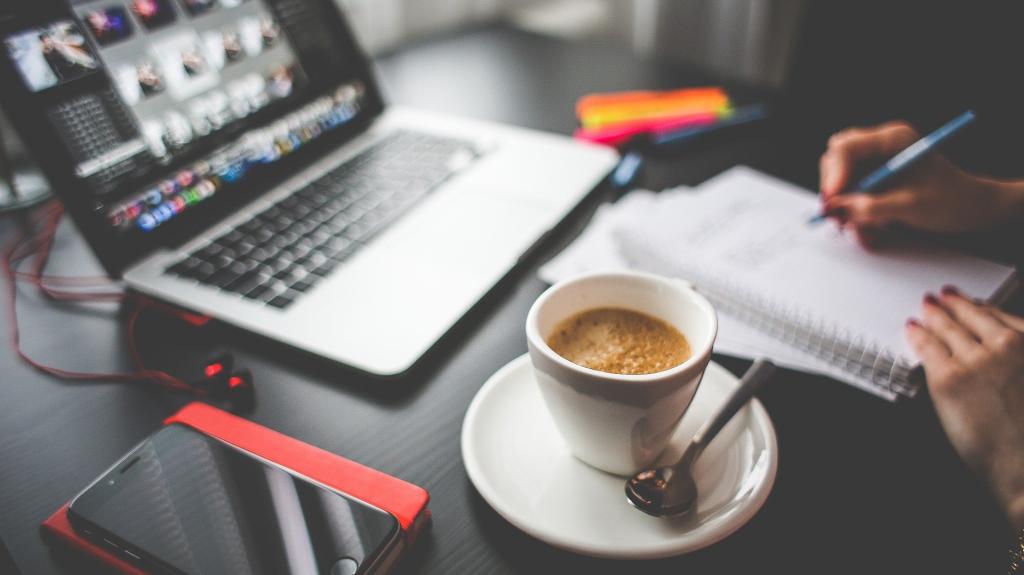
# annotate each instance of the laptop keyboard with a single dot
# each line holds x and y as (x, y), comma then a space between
(281, 253)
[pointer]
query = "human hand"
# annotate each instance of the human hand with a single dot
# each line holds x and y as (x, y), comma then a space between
(933, 196)
(973, 357)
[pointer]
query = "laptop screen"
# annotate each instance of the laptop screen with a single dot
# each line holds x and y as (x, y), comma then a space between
(160, 106)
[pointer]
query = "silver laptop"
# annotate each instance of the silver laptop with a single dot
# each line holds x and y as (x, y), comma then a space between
(235, 157)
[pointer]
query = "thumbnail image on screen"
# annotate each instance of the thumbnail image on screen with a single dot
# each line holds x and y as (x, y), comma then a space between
(149, 78)
(153, 13)
(139, 81)
(109, 24)
(51, 55)
(231, 44)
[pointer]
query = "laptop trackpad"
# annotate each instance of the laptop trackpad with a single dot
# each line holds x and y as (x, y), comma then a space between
(405, 289)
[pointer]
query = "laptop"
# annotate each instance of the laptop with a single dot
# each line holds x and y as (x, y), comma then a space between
(236, 158)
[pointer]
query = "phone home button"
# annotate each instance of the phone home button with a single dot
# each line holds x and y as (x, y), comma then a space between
(345, 566)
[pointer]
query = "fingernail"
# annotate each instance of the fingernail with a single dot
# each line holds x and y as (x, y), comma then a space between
(950, 290)
(911, 322)
(931, 299)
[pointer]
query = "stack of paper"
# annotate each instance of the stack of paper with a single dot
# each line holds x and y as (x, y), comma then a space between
(748, 231)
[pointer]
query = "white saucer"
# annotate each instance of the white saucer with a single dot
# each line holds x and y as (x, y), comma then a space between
(523, 469)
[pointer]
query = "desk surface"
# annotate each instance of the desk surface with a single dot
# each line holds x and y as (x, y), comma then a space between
(862, 486)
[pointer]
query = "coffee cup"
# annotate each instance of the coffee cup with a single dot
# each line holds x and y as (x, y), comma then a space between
(619, 423)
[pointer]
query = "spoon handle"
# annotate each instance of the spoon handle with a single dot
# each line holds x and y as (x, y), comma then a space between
(752, 380)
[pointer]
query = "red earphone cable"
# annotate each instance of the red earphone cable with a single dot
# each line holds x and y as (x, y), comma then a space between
(36, 276)
(39, 244)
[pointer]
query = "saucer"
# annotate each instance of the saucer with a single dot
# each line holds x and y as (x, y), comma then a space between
(522, 467)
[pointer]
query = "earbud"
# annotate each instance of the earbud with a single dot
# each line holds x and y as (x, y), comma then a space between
(241, 391)
(219, 364)
(222, 381)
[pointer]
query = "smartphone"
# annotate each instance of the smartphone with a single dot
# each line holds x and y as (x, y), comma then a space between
(183, 502)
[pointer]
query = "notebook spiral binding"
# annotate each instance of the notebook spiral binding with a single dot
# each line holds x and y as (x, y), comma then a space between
(831, 343)
(827, 341)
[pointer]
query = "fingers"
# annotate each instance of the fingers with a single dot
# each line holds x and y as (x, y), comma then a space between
(929, 348)
(1007, 319)
(976, 318)
(833, 172)
(957, 338)
(865, 210)
(850, 147)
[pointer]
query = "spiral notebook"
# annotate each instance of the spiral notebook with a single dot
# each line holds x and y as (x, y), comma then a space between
(807, 294)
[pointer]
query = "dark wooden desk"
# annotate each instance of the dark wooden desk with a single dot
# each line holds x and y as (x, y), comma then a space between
(863, 485)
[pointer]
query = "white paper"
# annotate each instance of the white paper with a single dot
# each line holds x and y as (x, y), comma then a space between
(749, 230)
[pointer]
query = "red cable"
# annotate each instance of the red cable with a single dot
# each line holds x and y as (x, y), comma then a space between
(40, 245)
(43, 256)
(37, 277)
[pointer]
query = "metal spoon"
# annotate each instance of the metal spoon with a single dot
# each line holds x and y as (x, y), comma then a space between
(670, 490)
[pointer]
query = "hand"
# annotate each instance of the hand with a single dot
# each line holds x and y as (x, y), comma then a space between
(933, 196)
(973, 357)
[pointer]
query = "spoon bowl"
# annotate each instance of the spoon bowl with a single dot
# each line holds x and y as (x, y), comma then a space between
(651, 490)
(671, 490)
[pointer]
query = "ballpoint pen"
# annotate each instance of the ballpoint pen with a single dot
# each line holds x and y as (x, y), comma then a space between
(901, 162)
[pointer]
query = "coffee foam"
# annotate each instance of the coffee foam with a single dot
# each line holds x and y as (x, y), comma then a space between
(619, 340)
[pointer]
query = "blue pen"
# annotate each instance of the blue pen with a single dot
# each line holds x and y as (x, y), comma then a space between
(740, 116)
(902, 161)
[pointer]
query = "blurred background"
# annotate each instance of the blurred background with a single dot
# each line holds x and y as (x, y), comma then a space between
(746, 40)
(823, 65)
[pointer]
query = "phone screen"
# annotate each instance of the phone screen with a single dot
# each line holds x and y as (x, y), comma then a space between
(184, 502)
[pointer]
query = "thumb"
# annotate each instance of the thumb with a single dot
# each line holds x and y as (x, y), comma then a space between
(868, 210)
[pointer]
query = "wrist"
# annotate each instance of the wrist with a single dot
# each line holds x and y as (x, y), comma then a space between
(1007, 483)
(1008, 198)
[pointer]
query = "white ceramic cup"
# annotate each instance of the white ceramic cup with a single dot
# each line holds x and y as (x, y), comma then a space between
(619, 423)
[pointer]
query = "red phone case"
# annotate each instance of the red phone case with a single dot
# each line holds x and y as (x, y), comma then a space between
(407, 502)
